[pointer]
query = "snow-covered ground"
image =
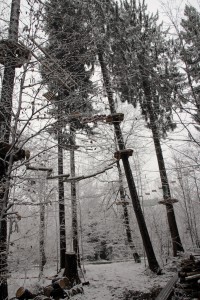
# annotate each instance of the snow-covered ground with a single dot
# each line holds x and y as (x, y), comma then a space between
(107, 281)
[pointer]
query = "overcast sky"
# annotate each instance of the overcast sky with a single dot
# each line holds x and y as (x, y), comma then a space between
(176, 6)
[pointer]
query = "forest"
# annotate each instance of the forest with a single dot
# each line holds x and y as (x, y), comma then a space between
(99, 147)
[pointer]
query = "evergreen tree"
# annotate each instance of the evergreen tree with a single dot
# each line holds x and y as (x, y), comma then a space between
(67, 72)
(144, 72)
(101, 17)
(190, 49)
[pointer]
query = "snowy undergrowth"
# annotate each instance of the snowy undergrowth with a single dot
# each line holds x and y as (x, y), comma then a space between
(117, 280)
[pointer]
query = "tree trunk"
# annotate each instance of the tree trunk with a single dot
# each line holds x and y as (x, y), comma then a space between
(61, 194)
(71, 271)
(5, 122)
(42, 237)
(176, 241)
(73, 195)
(126, 217)
(153, 264)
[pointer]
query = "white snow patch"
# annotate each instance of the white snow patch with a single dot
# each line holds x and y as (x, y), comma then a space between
(107, 281)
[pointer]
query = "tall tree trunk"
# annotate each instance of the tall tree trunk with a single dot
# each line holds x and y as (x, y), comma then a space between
(153, 264)
(5, 123)
(42, 235)
(73, 195)
(126, 216)
(176, 241)
(61, 193)
(182, 185)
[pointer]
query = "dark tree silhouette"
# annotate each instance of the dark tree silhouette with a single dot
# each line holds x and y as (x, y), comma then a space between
(69, 58)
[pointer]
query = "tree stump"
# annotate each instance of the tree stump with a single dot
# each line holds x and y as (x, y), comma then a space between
(71, 268)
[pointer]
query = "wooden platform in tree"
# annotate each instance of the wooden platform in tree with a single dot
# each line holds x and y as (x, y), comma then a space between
(49, 96)
(122, 203)
(13, 51)
(115, 118)
(168, 201)
(126, 152)
(6, 150)
(168, 289)
(93, 119)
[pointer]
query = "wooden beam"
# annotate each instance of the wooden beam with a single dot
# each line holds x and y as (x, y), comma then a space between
(168, 289)
(28, 167)
(32, 168)
(48, 170)
(122, 203)
(115, 118)
(125, 152)
(168, 201)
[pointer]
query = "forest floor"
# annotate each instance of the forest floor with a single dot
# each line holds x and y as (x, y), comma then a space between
(108, 281)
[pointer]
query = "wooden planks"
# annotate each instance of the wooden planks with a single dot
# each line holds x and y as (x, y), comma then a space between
(167, 290)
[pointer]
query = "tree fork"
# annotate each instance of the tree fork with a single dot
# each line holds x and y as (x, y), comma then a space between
(153, 264)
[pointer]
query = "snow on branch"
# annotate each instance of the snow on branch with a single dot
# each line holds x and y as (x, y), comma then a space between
(78, 178)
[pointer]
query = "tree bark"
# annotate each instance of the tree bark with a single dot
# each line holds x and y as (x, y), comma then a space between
(153, 264)
(42, 237)
(176, 241)
(71, 271)
(126, 217)
(61, 193)
(73, 196)
(5, 123)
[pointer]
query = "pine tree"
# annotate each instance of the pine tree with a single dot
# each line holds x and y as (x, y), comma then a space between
(101, 17)
(69, 80)
(190, 47)
(144, 72)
